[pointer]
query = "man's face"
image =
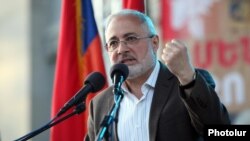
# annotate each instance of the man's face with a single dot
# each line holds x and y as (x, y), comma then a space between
(139, 56)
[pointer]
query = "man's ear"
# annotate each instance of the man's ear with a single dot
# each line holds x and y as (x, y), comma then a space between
(155, 41)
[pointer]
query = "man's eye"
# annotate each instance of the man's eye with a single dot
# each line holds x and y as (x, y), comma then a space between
(113, 43)
(131, 38)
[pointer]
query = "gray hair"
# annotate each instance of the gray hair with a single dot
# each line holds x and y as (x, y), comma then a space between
(142, 17)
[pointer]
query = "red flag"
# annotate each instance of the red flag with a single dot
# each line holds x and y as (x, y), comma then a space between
(79, 53)
(167, 30)
(134, 4)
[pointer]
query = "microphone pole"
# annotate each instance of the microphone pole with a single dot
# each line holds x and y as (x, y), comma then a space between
(119, 73)
(108, 120)
(78, 110)
(93, 83)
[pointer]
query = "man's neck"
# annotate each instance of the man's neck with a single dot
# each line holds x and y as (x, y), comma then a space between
(134, 85)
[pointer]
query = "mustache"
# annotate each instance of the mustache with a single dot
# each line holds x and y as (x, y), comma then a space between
(124, 57)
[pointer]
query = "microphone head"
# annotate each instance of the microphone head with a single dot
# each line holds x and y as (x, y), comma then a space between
(96, 80)
(120, 69)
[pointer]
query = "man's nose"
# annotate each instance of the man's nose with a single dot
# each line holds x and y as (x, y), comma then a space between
(122, 47)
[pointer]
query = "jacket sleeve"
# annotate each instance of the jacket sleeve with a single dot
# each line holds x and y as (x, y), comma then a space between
(203, 104)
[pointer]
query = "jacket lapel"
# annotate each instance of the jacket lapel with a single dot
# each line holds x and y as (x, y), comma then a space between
(160, 97)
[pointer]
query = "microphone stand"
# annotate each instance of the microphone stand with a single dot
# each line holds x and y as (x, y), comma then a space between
(78, 109)
(103, 132)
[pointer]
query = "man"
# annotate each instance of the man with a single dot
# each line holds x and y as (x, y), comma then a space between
(169, 101)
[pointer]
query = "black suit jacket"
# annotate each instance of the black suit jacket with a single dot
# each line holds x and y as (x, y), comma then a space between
(174, 115)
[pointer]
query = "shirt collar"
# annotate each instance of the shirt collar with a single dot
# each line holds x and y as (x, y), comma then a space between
(151, 81)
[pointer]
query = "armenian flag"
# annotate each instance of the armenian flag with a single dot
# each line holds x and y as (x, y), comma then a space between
(79, 53)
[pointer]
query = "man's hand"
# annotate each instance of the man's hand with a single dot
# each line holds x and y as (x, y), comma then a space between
(176, 57)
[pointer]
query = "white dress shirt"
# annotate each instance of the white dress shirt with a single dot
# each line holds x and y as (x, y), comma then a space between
(133, 118)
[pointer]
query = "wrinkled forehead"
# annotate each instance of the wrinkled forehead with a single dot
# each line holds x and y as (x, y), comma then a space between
(124, 24)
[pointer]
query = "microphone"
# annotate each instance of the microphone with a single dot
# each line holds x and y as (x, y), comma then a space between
(119, 73)
(93, 83)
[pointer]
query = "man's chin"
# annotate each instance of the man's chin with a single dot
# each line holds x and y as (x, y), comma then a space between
(134, 71)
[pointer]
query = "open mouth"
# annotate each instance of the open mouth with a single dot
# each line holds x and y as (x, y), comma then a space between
(128, 61)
